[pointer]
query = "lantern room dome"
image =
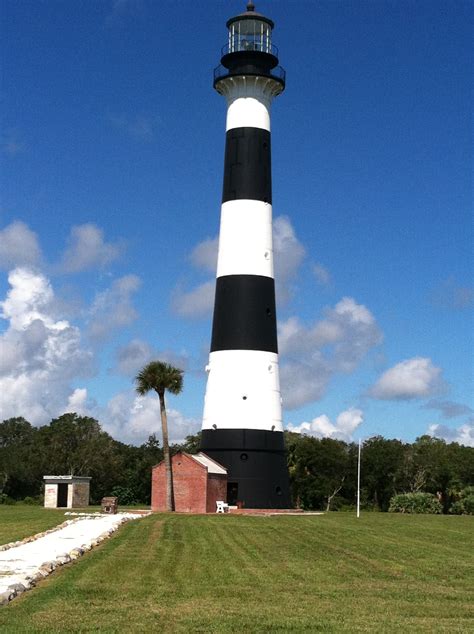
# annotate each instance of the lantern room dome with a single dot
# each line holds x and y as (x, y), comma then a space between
(250, 14)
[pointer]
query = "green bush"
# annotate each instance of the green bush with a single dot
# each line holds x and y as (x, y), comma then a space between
(126, 496)
(31, 501)
(6, 499)
(415, 503)
(346, 508)
(469, 505)
(465, 504)
(457, 508)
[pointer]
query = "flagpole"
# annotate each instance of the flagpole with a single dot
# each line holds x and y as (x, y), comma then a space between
(358, 481)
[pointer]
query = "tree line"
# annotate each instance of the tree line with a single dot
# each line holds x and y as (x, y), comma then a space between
(323, 471)
(73, 445)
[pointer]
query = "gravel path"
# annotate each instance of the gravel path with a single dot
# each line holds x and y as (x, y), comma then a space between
(24, 563)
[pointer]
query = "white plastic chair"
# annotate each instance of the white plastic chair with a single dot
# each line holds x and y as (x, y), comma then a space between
(222, 507)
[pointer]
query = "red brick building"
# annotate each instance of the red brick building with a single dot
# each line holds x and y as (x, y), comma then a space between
(198, 482)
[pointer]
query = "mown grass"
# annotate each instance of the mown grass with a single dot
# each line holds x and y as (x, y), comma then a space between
(21, 520)
(332, 573)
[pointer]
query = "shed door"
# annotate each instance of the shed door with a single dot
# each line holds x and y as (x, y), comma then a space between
(62, 495)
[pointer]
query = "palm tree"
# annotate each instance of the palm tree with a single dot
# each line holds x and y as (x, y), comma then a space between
(160, 376)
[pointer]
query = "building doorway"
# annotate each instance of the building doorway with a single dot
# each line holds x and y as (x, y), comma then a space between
(62, 495)
(232, 493)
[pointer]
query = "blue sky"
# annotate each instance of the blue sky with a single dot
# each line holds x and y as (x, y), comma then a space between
(112, 159)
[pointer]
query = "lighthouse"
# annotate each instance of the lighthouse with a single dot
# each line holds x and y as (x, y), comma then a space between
(242, 422)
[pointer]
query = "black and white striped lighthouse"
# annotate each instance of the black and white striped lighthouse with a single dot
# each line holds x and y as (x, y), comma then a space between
(242, 424)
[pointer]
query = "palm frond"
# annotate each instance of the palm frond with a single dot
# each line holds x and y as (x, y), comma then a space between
(159, 376)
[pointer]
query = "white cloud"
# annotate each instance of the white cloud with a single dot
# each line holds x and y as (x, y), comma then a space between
(312, 355)
(13, 147)
(87, 249)
(464, 435)
(204, 255)
(41, 354)
(122, 11)
(139, 127)
(142, 128)
(28, 299)
(409, 379)
(134, 355)
(113, 309)
(288, 256)
(195, 303)
(18, 246)
(11, 143)
(452, 295)
(322, 427)
(322, 275)
(304, 382)
(133, 418)
(349, 326)
(449, 409)
(79, 403)
(199, 301)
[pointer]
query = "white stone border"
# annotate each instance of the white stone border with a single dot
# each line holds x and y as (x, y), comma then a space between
(48, 567)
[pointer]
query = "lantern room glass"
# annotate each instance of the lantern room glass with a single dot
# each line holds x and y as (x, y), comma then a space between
(250, 35)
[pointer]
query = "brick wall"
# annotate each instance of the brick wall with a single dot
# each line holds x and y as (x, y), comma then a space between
(189, 485)
(157, 488)
(194, 490)
(216, 490)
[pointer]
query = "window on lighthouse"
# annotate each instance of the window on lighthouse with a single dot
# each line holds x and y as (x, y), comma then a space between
(250, 35)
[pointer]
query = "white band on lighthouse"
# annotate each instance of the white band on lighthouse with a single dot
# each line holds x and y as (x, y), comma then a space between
(245, 384)
(245, 238)
(248, 100)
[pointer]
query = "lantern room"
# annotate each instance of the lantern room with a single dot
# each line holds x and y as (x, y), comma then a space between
(249, 50)
(250, 31)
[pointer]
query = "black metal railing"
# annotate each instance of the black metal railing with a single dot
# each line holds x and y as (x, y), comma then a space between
(250, 44)
(277, 73)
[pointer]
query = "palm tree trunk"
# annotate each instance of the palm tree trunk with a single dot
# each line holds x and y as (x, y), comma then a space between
(166, 453)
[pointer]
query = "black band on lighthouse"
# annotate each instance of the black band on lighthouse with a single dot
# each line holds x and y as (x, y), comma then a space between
(247, 168)
(243, 440)
(256, 460)
(244, 314)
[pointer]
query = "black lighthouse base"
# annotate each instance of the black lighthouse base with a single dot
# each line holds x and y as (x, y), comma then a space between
(256, 465)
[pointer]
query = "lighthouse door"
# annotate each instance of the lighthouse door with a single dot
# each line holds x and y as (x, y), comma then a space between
(232, 493)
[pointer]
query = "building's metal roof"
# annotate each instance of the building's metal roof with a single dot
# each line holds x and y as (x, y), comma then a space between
(212, 466)
(66, 478)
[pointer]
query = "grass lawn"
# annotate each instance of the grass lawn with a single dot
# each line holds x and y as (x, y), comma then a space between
(332, 573)
(21, 520)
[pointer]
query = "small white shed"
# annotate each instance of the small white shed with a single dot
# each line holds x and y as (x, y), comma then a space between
(66, 491)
